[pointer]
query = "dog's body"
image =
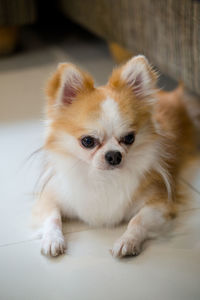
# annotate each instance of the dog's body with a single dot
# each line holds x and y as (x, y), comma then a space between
(112, 154)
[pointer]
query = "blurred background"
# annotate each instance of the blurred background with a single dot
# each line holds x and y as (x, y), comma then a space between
(96, 35)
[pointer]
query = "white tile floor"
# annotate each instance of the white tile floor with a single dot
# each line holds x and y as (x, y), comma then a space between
(168, 268)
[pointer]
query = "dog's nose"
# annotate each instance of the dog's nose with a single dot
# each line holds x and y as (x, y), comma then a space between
(113, 157)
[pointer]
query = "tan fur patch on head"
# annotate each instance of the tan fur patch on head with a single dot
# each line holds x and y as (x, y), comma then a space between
(74, 118)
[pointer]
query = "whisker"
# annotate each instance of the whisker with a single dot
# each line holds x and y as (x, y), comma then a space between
(49, 178)
(34, 154)
(30, 156)
(38, 179)
(45, 184)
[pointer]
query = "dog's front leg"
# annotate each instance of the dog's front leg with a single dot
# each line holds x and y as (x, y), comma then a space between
(53, 243)
(47, 217)
(150, 219)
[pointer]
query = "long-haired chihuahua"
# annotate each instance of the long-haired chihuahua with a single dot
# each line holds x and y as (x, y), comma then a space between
(112, 154)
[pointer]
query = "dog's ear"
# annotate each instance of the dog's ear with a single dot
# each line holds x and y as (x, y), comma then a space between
(66, 83)
(136, 74)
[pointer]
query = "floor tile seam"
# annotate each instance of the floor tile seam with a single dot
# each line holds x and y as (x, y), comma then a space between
(190, 185)
(37, 239)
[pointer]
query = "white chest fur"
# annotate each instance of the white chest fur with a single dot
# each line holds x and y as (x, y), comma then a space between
(98, 197)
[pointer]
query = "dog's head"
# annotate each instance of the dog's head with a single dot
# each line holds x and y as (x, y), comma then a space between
(101, 126)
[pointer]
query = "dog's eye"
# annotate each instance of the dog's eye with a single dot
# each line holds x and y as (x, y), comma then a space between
(88, 142)
(128, 139)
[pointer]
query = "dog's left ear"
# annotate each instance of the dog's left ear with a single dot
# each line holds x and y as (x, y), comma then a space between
(137, 74)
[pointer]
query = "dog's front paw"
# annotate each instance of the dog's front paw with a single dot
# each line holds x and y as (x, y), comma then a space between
(53, 244)
(125, 246)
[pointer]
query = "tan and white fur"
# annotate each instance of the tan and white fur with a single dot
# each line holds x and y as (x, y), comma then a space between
(81, 183)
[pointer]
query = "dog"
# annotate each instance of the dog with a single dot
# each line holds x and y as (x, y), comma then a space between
(112, 154)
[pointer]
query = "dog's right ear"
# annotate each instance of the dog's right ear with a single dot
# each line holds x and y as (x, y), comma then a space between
(66, 84)
(137, 75)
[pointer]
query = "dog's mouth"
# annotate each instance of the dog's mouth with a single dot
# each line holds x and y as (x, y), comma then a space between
(109, 167)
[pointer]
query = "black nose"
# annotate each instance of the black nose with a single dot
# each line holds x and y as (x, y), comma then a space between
(113, 157)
